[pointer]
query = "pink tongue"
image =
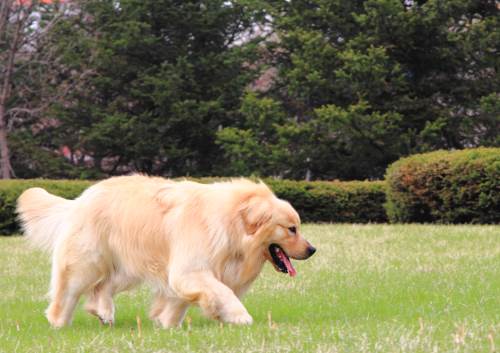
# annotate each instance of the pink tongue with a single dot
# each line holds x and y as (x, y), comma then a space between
(286, 261)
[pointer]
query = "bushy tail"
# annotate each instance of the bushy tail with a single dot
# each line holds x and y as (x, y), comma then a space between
(42, 216)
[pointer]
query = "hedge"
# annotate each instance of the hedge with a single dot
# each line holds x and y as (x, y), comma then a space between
(336, 201)
(445, 187)
(356, 202)
(11, 189)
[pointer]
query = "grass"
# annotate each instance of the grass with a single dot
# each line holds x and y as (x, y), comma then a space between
(369, 288)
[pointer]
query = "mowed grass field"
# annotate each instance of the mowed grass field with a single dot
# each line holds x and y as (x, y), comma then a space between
(369, 288)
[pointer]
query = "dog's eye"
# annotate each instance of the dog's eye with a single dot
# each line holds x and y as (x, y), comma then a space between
(292, 230)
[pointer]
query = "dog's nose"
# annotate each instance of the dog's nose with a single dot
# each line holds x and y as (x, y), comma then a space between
(311, 250)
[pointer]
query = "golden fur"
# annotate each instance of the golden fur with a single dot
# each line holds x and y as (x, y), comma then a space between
(193, 243)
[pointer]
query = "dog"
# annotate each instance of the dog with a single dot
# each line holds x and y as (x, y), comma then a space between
(194, 244)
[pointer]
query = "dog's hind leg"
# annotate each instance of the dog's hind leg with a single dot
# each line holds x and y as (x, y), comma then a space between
(215, 299)
(68, 284)
(100, 302)
(168, 311)
(100, 297)
(92, 300)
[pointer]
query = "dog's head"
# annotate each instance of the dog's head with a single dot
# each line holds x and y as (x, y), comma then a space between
(275, 226)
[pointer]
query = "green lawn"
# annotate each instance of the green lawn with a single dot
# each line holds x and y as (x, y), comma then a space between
(373, 288)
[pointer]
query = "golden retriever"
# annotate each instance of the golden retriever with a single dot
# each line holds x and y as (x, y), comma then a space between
(192, 243)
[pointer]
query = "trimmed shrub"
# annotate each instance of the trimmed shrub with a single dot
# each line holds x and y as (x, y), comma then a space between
(445, 187)
(11, 189)
(321, 201)
(336, 201)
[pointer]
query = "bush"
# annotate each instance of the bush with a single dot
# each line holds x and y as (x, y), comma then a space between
(11, 189)
(358, 202)
(324, 201)
(445, 187)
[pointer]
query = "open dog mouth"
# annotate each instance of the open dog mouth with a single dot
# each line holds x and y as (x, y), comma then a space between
(281, 260)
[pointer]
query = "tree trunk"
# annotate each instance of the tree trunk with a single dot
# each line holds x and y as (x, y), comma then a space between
(5, 167)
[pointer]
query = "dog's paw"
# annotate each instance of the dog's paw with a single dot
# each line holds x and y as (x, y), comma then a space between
(106, 320)
(56, 320)
(241, 318)
(56, 323)
(168, 324)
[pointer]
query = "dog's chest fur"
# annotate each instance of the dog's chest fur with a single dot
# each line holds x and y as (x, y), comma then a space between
(239, 271)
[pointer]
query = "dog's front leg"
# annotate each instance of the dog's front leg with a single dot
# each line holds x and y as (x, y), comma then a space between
(215, 299)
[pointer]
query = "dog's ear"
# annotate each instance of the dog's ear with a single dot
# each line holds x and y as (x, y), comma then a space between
(255, 213)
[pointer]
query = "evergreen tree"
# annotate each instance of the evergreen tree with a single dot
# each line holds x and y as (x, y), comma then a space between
(172, 87)
(167, 75)
(365, 82)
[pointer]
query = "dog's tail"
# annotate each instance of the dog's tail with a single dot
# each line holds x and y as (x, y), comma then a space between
(42, 217)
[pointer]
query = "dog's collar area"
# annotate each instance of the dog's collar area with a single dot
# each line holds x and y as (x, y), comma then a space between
(281, 260)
